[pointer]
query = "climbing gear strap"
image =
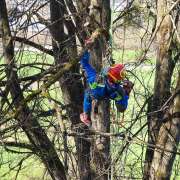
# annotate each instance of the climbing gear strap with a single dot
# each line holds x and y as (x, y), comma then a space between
(94, 85)
(118, 97)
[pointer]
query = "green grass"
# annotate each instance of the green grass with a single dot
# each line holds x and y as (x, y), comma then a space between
(24, 61)
(28, 58)
(128, 56)
(136, 101)
(144, 83)
(31, 168)
(143, 79)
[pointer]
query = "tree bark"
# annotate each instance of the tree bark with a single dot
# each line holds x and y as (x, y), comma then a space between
(36, 135)
(168, 138)
(99, 17)
(70, 84)
(164, 70)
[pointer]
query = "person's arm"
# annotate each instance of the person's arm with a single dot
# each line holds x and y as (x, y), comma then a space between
(121, 91)
(122, 104)
(116, 91)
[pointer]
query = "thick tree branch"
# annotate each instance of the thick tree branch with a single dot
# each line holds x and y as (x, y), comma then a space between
(32, 44)
(17, 144)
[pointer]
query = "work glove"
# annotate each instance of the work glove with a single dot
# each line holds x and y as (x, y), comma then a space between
(128, 86)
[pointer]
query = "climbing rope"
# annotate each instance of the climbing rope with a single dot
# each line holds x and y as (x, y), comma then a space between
(108, 53)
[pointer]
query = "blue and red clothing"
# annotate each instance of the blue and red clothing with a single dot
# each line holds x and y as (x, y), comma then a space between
(98, 91)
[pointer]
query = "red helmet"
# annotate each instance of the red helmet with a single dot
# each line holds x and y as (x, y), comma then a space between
(116, 73)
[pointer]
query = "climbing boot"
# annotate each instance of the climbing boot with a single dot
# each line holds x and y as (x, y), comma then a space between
(85, 119)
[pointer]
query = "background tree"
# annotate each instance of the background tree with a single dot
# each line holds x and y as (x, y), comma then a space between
(65, 50)
(36, 135)
(163, 128)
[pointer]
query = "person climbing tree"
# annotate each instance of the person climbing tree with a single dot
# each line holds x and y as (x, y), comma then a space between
(114, 86)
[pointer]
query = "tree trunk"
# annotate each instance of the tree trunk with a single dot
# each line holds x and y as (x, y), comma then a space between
(100, 16)
(70, 84)
(164, 70)
(168, 139)
(37, 136)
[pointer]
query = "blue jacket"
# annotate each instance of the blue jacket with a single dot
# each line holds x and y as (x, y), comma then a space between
(101, 91)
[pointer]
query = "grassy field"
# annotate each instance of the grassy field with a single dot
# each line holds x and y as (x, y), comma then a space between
(126, 55)
(130, 160)
(32, 168)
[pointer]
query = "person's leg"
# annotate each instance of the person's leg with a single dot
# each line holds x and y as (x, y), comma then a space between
(87, 105)
(90, 71)
(91, 80)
